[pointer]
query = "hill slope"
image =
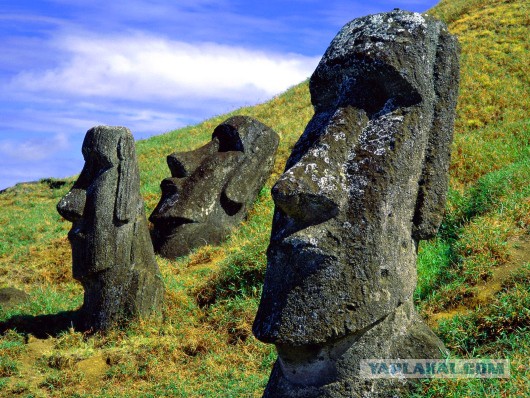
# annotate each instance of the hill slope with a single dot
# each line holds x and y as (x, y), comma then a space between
(473, 278)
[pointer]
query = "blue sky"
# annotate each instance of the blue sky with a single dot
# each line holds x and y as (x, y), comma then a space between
(152, 66)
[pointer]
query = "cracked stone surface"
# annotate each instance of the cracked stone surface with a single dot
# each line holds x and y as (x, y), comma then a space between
(213, 187)
(112, 253)
(365, 182)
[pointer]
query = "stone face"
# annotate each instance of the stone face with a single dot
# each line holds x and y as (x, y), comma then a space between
(366, 181)
(112, 253)
(212, 187)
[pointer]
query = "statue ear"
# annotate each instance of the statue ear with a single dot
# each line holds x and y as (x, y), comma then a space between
(128, 180)
(430, 204)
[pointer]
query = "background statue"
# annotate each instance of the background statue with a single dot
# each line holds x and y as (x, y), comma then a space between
(112, 253)
(366, 181)
(212, 187)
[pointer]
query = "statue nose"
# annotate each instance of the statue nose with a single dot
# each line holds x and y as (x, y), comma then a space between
(171, 190)
(301, 199)
(72, 205)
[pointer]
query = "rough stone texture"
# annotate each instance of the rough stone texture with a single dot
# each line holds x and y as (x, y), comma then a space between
(112, 253)
(366, 181)
(212, 187)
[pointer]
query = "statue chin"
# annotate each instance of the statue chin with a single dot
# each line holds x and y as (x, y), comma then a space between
(179, 241)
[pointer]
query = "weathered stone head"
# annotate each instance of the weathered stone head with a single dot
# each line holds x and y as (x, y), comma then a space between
(366, 181)
(112, 254)
(212, 188)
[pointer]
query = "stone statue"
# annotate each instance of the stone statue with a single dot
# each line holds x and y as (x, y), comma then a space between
(212, 187)
(112, 253)
(365, 182)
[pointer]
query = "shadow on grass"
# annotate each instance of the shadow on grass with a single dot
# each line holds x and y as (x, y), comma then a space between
(43, 326)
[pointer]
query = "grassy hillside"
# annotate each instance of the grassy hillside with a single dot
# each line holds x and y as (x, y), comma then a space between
(473, 289)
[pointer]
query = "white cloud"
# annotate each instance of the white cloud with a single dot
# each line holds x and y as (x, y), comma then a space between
(33, 149)
(145, 67)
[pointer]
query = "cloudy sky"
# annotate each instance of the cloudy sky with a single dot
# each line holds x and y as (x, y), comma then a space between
(150, 65)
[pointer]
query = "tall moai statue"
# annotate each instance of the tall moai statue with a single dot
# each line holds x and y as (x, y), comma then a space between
(365, 182)
(212, 188)
(112, 253)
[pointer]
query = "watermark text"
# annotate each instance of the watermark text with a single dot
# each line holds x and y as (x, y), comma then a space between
(434, 368)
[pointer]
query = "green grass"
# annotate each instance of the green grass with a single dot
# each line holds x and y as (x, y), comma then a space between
(499, 330)
(204, 346)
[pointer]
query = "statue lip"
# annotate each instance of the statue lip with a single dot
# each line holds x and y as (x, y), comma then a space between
(301, 237)
(171, 221)
(76, 234)
(303, 246)
(172, 224)
(299, 243)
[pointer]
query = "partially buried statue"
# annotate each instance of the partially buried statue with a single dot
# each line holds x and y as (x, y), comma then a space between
(112, 253)
(366, 181)
(212, 187)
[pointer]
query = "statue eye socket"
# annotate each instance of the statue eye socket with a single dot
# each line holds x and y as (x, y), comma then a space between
(95, 165)
(231, 207)
(229, 139)
(385, 96)
(99, 160)
(87, 152)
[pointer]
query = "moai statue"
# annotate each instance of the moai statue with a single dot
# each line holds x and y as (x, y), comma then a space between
(366, 181)
(112, 253)
(212, 187)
